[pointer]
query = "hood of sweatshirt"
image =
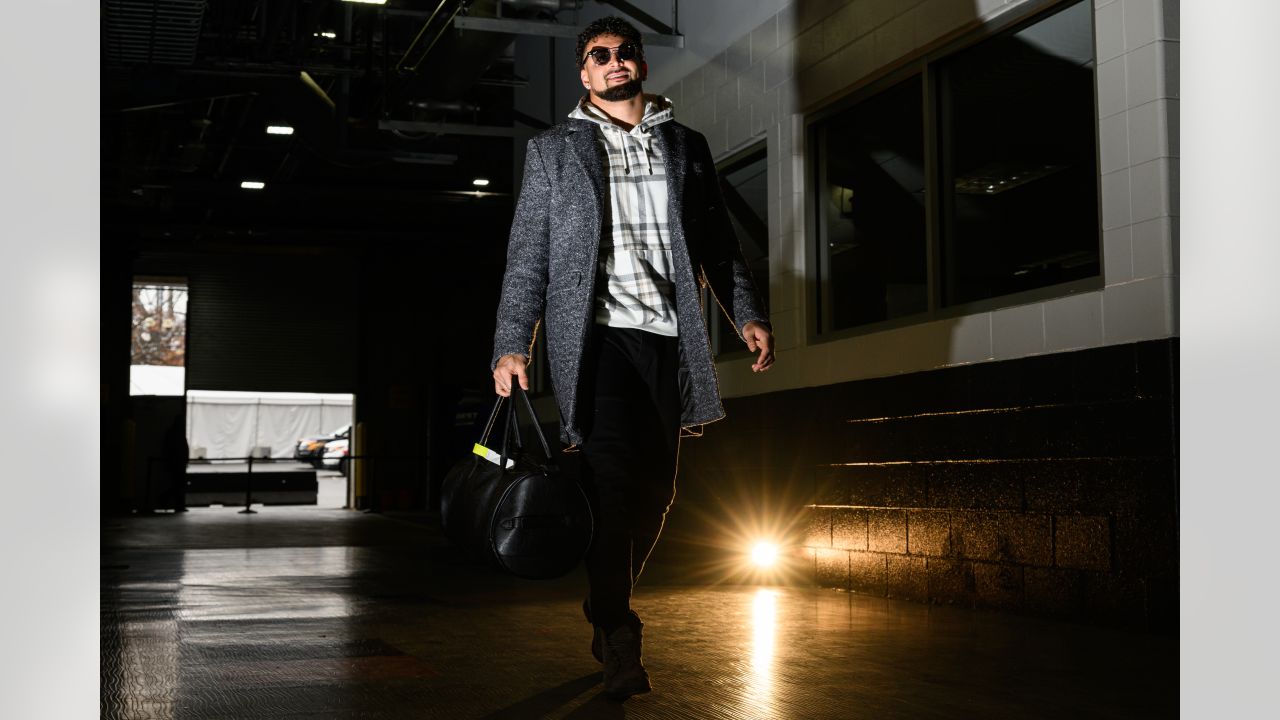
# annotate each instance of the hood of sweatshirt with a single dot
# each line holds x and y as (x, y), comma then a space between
(657, 110)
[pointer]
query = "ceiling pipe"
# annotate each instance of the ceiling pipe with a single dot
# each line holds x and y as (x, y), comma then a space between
(401, 64)
(447, 106)
(645, 18)
(548, 5)
(468, 54)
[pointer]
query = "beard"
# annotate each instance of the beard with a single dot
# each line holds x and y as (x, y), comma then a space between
(618, 93)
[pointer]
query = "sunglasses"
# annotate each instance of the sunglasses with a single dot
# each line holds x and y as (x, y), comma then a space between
(625, 52)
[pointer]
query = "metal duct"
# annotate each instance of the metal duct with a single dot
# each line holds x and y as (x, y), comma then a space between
(447, 106)
(548, 5)
(458, 59)
(154, 32)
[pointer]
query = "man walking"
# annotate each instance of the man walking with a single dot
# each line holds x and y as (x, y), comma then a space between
(620, 220)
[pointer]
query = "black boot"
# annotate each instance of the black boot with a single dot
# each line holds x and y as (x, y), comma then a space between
(624, 673)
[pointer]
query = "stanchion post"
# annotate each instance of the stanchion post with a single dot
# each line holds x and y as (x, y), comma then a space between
(368, 487)
(145, 505)
(248, 488)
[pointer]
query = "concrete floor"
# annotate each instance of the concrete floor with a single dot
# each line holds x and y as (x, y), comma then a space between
(309, 613)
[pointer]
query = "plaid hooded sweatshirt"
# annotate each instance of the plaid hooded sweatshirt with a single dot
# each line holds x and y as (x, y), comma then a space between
(634, 287)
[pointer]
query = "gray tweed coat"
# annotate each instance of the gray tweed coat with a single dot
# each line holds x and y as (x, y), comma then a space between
(551, 261)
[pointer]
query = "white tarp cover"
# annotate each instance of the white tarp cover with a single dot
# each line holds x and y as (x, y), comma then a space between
(231, 424)
(156, 379)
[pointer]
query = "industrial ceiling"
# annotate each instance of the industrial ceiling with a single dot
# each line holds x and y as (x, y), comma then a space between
(395, 111)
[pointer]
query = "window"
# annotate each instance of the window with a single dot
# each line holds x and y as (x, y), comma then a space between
(974, 180)
(744, 184)
(872, 209)
(1017, 150)
(159, 338)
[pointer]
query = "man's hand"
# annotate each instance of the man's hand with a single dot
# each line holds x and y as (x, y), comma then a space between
(760, 340)
(507, 366)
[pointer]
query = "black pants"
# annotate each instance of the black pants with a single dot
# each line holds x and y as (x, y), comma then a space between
(631, 409)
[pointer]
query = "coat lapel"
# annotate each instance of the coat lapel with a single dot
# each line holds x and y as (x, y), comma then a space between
(673, 155)
(582, 139)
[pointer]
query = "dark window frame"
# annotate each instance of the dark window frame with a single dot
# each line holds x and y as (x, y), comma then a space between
(921, 64)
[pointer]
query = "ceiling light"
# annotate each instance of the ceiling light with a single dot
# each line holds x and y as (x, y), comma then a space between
(325, 34)
(367, 2)
(480, 182)
(421, 158)
(279, 130)
(252, 184)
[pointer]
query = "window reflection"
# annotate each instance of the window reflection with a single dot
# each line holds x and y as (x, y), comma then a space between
(764, 612)
(871, 209)
(758, 698)
(1018, 160)
(1004, 201)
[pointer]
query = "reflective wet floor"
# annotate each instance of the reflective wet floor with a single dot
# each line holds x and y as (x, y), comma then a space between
(306, 613)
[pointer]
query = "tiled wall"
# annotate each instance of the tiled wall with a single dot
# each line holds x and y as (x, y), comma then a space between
(813, 51)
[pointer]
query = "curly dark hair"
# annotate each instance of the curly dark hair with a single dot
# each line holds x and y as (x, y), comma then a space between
(610, 25)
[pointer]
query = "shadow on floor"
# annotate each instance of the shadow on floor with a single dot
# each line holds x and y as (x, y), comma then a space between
(557, 698)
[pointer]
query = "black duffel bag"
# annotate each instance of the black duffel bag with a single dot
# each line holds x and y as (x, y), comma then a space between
(528, 518)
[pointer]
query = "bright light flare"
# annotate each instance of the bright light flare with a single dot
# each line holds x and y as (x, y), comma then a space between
(764, 554)
(728, 536)
(252, 184)
(480, 182)
(279, 130)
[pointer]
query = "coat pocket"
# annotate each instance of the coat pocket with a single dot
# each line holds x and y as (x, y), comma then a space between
(562, 285)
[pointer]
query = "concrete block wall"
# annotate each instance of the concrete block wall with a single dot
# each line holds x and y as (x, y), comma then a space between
(812, 52)
(1038, 561)
(1044, 485)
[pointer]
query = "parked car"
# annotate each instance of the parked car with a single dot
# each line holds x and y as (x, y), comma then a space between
(336, 455)
(311, 449)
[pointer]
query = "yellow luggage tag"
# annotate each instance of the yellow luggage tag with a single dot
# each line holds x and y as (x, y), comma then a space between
(490, 455)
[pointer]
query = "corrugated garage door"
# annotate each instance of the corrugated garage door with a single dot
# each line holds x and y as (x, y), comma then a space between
(267, 323)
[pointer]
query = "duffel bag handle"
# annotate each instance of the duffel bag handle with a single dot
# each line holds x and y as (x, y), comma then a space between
(513, 426)
(537, 426)
(508, 424)
(488, 426)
